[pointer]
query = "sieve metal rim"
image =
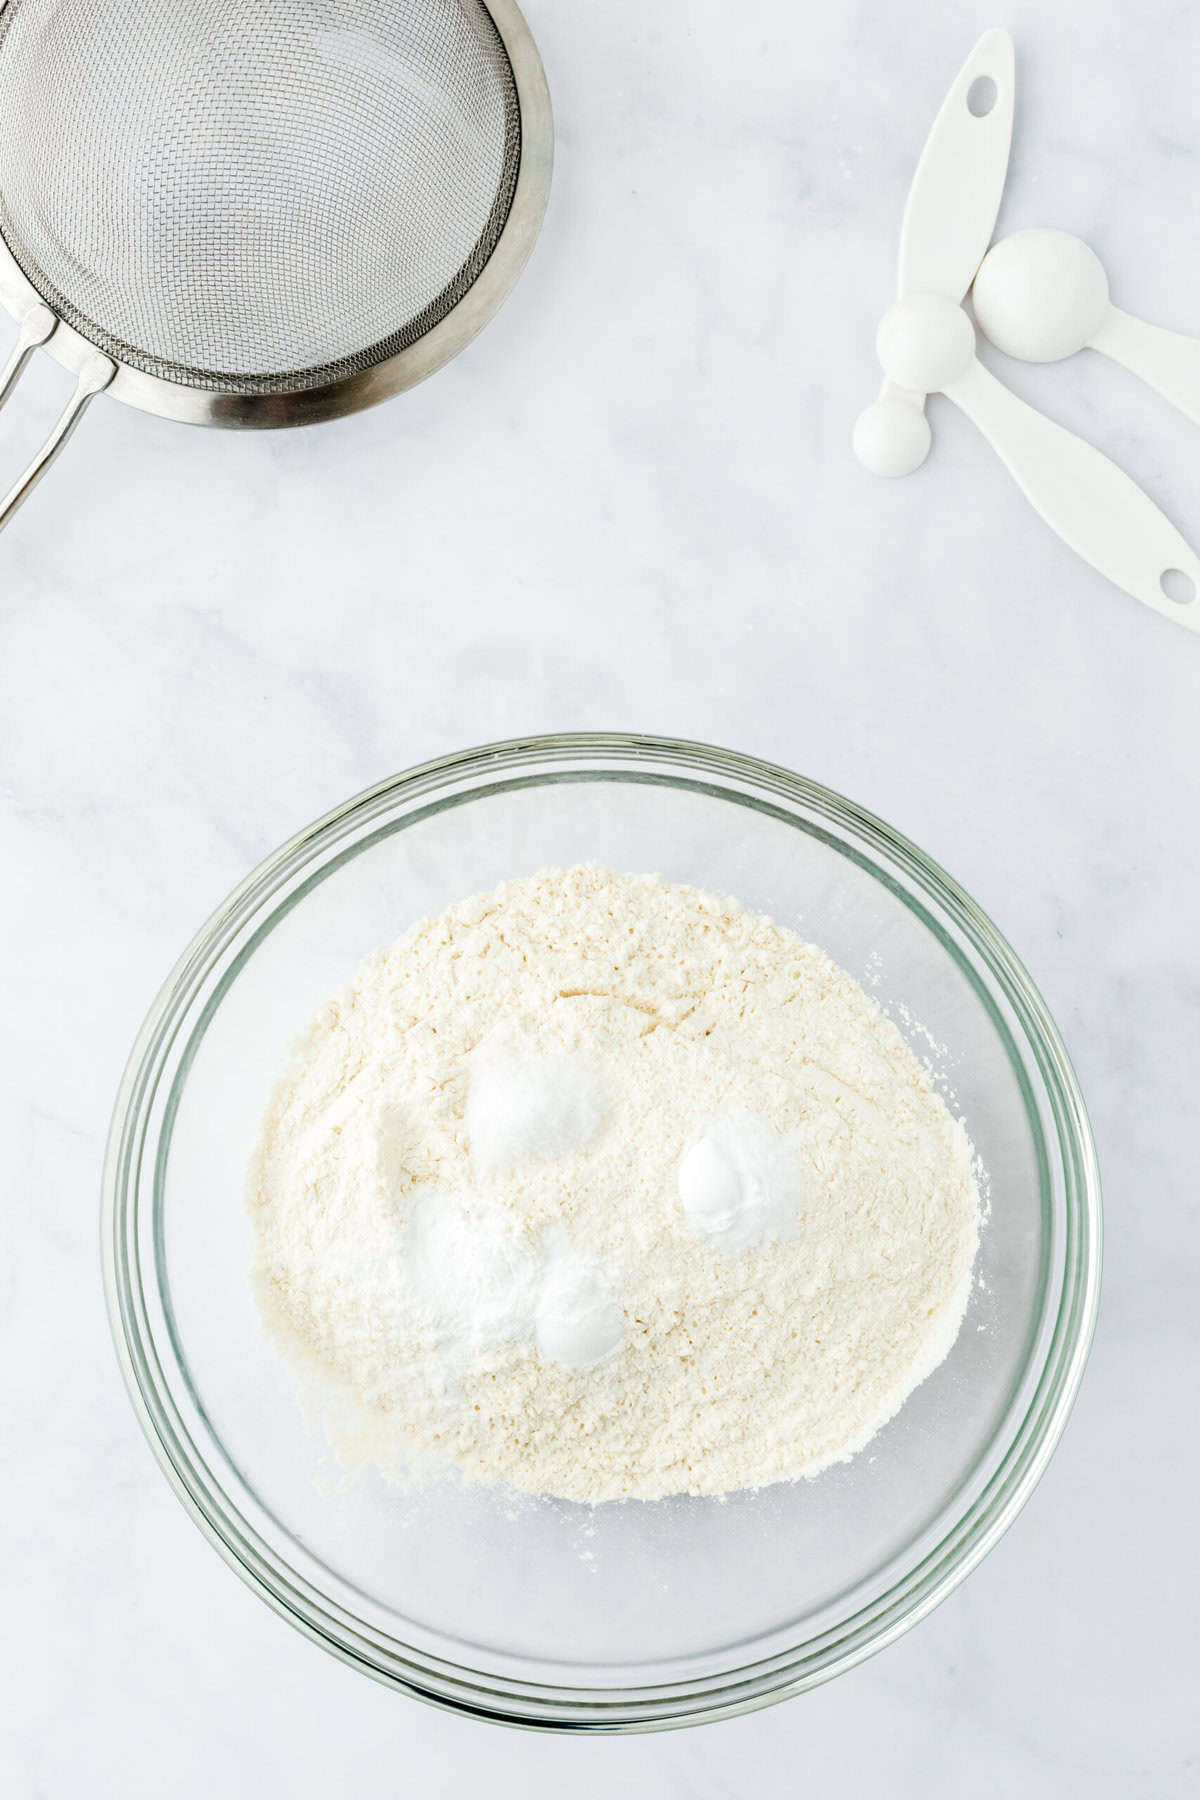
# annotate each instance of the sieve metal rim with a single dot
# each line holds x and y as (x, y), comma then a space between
(366, 387)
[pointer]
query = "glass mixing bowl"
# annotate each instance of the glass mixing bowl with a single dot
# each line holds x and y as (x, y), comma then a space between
(631, 1614)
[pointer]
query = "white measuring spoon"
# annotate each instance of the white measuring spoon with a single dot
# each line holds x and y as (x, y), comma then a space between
(927, 344)
(1043, 295)
(948, 224)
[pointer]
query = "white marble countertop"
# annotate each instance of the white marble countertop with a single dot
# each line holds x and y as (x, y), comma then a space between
(631, 504)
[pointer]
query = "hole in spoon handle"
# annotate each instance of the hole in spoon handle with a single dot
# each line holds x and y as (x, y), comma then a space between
(982, 96)
(1178, 586)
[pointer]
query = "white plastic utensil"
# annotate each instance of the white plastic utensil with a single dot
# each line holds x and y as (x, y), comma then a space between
(1042, 295)
(927, 344)
(948, 224)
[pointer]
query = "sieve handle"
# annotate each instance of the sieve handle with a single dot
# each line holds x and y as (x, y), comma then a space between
(36, 327)
(95, 373)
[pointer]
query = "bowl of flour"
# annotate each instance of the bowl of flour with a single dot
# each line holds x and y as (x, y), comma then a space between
(603, 1188)
(602, 1232)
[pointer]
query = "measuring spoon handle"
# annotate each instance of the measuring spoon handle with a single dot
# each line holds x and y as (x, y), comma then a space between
(1093, 506)
(1167, 360)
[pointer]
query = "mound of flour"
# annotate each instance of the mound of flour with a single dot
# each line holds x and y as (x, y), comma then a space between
(602, 1187)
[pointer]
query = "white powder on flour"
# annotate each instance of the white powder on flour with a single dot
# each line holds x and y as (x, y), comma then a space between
(603, 1187)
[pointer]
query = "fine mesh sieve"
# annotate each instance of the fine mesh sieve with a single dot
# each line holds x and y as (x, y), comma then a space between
(261, 212)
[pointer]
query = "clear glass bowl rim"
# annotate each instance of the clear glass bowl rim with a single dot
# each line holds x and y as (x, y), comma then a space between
(132, 1147)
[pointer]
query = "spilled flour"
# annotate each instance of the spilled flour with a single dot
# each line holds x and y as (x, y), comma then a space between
(603, 1187)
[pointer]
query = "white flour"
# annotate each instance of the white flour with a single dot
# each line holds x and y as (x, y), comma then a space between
(602, 1187)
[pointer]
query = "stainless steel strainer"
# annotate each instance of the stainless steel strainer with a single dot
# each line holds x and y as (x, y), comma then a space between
(261, 212)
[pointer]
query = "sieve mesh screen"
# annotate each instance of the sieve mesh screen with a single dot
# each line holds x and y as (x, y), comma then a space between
(257, 196)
